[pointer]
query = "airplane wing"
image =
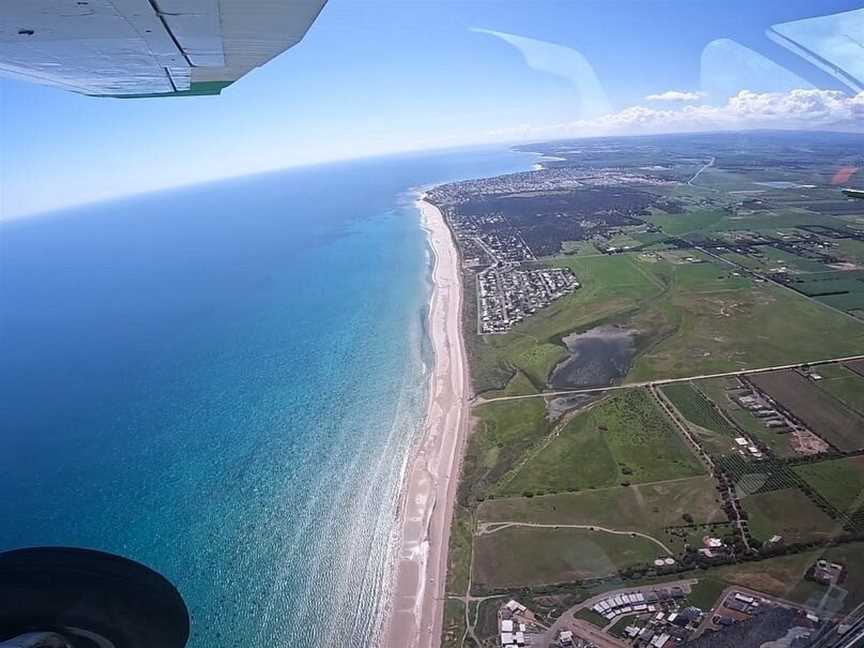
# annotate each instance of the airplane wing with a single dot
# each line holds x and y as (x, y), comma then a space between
(146, 48)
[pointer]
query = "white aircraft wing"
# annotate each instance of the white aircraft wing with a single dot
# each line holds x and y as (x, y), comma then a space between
(144, 48)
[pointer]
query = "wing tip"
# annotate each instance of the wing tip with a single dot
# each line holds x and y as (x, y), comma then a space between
(196, 89)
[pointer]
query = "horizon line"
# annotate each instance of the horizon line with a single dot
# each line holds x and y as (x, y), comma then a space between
(7, 220)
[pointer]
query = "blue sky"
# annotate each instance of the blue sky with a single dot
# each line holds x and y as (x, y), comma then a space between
(374, 77)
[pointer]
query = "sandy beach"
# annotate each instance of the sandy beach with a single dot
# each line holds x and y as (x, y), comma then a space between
(416, 611)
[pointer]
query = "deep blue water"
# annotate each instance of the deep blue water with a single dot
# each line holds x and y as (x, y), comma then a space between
(224, 383)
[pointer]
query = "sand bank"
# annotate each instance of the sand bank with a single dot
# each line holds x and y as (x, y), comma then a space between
(416, 611)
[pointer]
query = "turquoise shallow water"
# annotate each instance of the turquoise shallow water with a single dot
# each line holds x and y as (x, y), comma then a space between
(224, 382)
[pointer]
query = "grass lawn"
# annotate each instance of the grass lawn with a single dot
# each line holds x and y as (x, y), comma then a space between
(647, 507)
(626, 438)
(705, 593)
(789, 513)
(689, 221)
(589, 615)
(522, 556)
(840, 481)
(618, 628)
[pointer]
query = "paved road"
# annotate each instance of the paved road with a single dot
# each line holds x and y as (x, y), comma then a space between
(585, 629)
(699, 172)
(668, 381)
(486, 528)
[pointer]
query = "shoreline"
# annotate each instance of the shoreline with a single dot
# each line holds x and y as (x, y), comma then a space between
(416, 609)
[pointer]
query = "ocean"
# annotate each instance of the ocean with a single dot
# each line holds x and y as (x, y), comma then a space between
(224, 382)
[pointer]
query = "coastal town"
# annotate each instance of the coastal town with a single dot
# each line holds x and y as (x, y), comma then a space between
(658, 616)
(662, 413)
(506, 296)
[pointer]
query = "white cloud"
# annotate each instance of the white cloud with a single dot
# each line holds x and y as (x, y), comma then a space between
(796, 109)
(675, 95)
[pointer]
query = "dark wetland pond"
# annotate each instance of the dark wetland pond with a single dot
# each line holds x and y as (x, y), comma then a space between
(598, 357)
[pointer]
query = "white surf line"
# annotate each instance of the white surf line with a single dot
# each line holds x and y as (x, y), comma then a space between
(417, 609)
(669, 381)
(499, 526)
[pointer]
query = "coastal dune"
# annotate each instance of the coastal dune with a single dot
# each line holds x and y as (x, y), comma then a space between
(416, 612)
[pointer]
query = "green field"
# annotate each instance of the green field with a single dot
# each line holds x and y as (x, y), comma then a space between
(840, 481)
(504, 432)
(641, 507)
(611, 286)
(843, 384)
(788, 513)
(719, 328)
(850, 250)
(523, 556)
(626, 438)
(716, 389)
(705, 593)
(662, 510)
(692, 318)
(714, 431)
(459, 551)
(454, 624)
(560, 465)
(589, 615)
(820, 411)
(620, 466)
(777, 576)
